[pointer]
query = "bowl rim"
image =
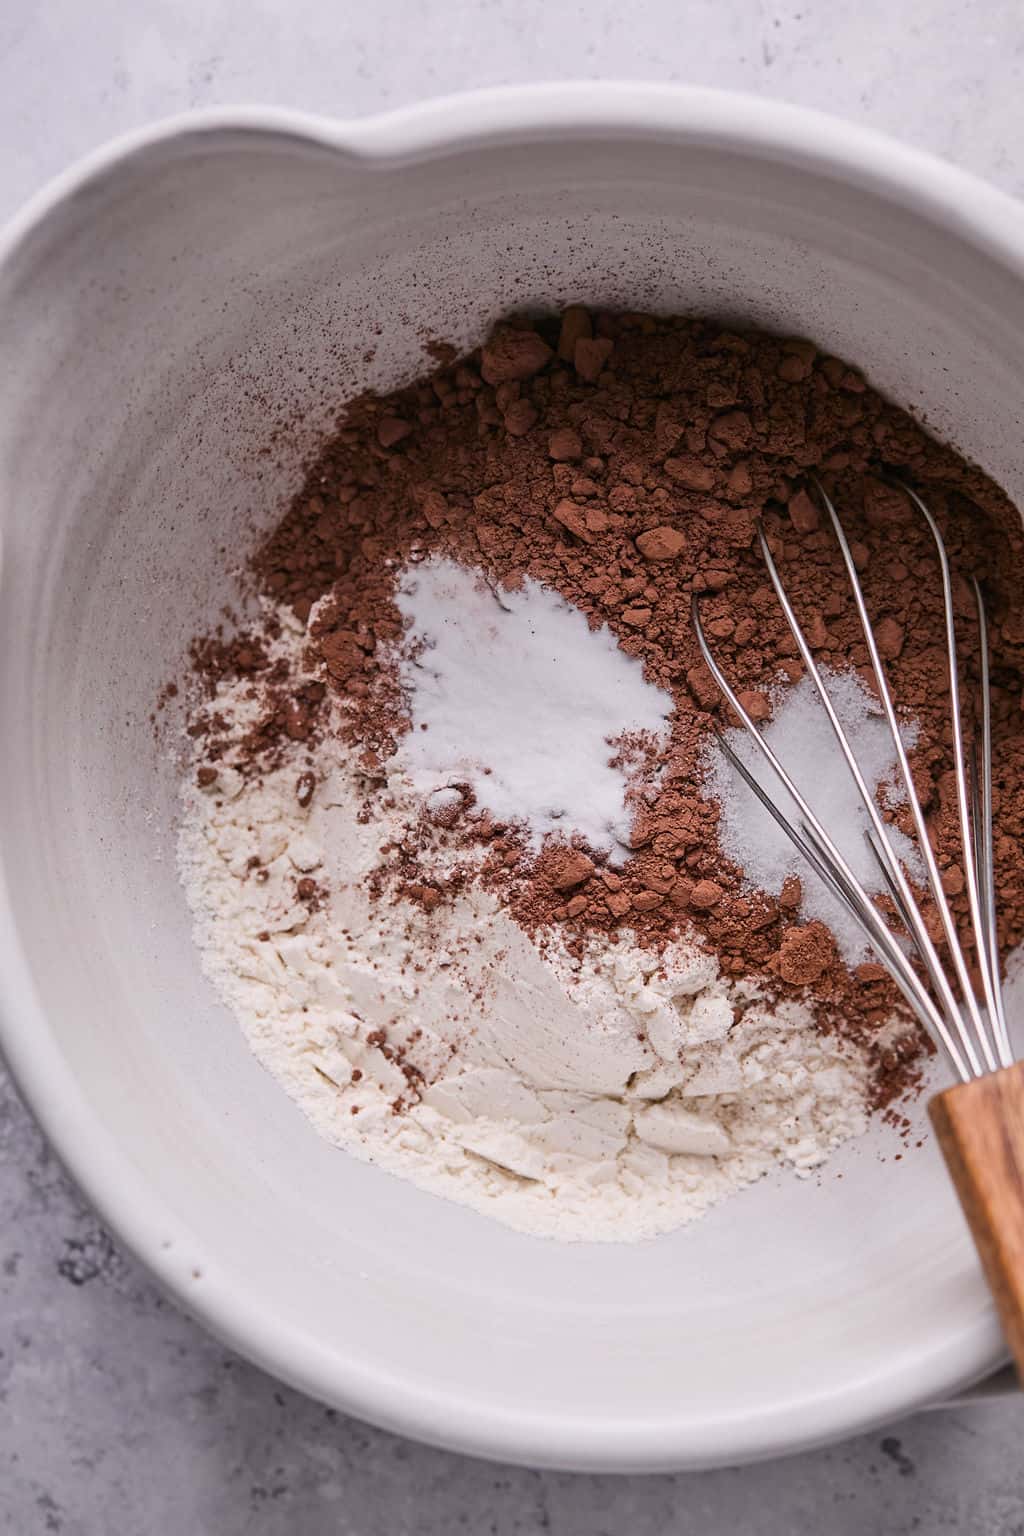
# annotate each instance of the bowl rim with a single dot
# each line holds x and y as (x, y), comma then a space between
(957, 201)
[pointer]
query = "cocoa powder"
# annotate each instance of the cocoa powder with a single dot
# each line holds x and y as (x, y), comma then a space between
(624, 461)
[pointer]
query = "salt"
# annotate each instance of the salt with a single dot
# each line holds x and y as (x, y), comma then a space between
(801, 737)
(514, 694)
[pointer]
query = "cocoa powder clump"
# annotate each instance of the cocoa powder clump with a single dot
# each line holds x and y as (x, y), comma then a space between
(625, 461)
(805, 954)
(563, 867)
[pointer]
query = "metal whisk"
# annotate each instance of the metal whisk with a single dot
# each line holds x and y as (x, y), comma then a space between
(980, 1124)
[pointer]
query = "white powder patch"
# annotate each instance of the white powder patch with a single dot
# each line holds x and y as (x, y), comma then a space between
(605, 1099)
(514, 694)
(800, 735)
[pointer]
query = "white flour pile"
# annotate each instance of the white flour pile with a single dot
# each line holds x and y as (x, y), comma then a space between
(610, 1098)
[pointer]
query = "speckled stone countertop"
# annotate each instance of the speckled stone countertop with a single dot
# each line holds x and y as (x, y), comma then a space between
(118, 1414)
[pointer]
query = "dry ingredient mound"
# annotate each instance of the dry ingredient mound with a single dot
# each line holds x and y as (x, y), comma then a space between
(623, 460)
(618, 463)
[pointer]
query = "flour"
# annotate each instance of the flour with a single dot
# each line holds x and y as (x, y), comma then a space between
(608, 1097)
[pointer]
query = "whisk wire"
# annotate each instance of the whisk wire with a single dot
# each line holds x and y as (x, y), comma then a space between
(982, 818)
(896, 895)
(974, 1024)
(963, 807)
(838, 877)
(799, 838)
(833, 882)
(974, 1037)
(894, 874)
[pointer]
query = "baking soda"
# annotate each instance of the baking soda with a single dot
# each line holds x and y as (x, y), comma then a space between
(513, 694)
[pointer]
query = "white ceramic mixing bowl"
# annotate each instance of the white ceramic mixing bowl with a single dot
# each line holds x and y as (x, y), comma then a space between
(163, 309)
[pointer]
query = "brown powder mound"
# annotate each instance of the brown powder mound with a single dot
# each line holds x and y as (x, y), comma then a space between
(624, 461)
(562, 867)
(805, 954)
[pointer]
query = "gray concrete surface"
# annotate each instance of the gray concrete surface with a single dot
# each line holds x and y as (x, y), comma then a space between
(117, 1414)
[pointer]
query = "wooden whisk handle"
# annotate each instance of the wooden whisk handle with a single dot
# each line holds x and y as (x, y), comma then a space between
(980, 1126)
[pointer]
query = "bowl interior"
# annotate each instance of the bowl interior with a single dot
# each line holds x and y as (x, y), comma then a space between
(179, 331)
